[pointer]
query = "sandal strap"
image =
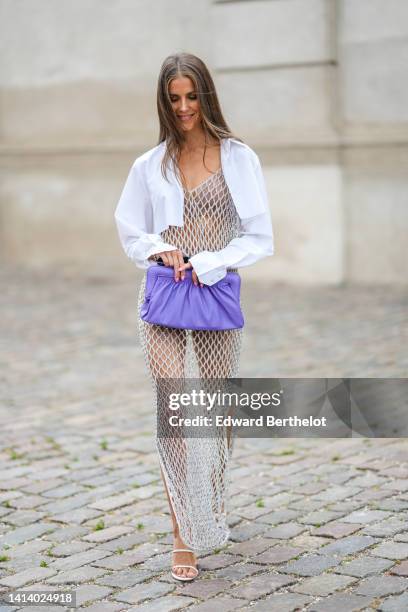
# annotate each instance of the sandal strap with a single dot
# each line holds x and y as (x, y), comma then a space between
(182, 550)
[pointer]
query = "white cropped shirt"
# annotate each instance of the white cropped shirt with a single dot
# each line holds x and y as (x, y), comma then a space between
(149, 204)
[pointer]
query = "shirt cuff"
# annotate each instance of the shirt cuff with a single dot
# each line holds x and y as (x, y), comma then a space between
(207, 267)
(158, 246)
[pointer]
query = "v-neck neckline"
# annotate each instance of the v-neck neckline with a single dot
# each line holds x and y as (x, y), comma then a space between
(204, 181)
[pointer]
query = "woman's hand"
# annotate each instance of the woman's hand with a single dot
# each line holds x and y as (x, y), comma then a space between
(186, 266)
(175, 260)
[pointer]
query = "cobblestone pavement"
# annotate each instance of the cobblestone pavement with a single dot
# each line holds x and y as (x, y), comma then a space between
(316, 525)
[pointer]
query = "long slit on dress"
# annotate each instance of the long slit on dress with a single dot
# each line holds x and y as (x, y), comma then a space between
(195, 468)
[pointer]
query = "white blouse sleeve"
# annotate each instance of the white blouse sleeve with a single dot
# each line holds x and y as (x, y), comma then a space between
(134, 220)
(254, 243)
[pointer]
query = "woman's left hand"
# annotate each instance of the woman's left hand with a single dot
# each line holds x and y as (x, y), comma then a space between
(194, 276)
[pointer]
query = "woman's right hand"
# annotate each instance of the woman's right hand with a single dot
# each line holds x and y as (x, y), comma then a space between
(175, 259)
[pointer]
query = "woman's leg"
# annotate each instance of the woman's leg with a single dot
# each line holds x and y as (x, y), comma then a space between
(166, 349)
(218, 354)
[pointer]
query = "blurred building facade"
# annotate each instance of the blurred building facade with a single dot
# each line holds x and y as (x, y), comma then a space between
(318, 88)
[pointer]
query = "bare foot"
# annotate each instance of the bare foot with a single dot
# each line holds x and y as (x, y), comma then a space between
(184, 558)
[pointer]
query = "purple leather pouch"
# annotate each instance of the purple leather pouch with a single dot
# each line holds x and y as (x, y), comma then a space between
(182, 305)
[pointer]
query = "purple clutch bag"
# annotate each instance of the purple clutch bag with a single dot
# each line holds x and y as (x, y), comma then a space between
(184, 306)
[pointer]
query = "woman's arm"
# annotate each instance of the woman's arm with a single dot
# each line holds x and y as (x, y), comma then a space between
(254, 243)
(134, 220)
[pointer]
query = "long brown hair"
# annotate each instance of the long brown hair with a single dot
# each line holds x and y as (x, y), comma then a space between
(213, 122)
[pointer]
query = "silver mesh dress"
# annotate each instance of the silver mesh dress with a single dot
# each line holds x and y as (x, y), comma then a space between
(195, 469)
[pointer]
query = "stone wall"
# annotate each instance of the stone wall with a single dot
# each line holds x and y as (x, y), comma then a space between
(318, 88)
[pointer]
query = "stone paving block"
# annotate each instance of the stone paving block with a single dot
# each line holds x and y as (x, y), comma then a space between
(153, 523)
(141, 592)
(250, 547)
(125, 578)
(146, 552)
(246, 531)
(124, 542)
(26, 549)
(22, 518)
(27, 501)
(337, 493)
(284, 531)
(20, 564)
(279, 516)
(220, 604)
(319, 518)
(104, 606)
(342, 603)
(253, 512)
(370, 496)
(336, 530)
(281, 602)
(323, 585)
(158, 562)
(119, 562)
(76, 576)
(78, 516)
(105, 535)
(400, 569)
(400, 485)
(87, 593)
(307, 506)
(277, 555)
(10, 472)
(238, 572)
(394, 604)
(4, 512)
(204, 588)
(79, 559)
(347, 546)
(386, 529)
(163, 604)
(5, 607)
(30, 575)
(66, 490)
(309, 542)
(380, 586)
(401, 537)
(68, 549)
(311, 565)
(366, 516)
(364, 566)
(23, 534)
(214, 562)
(397, 471)
(66, 534)
(70, 503)
(258, 586)
(394, 505)
(117, 501)
(391, 550)
(311, 488)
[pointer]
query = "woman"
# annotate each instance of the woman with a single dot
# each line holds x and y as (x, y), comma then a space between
(197, 201)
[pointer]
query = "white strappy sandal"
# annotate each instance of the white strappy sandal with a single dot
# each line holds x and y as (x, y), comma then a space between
(183, 578)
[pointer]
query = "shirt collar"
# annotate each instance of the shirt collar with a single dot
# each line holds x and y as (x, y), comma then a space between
(226, 144)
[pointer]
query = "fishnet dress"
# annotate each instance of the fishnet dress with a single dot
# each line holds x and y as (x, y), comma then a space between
(195, 469)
